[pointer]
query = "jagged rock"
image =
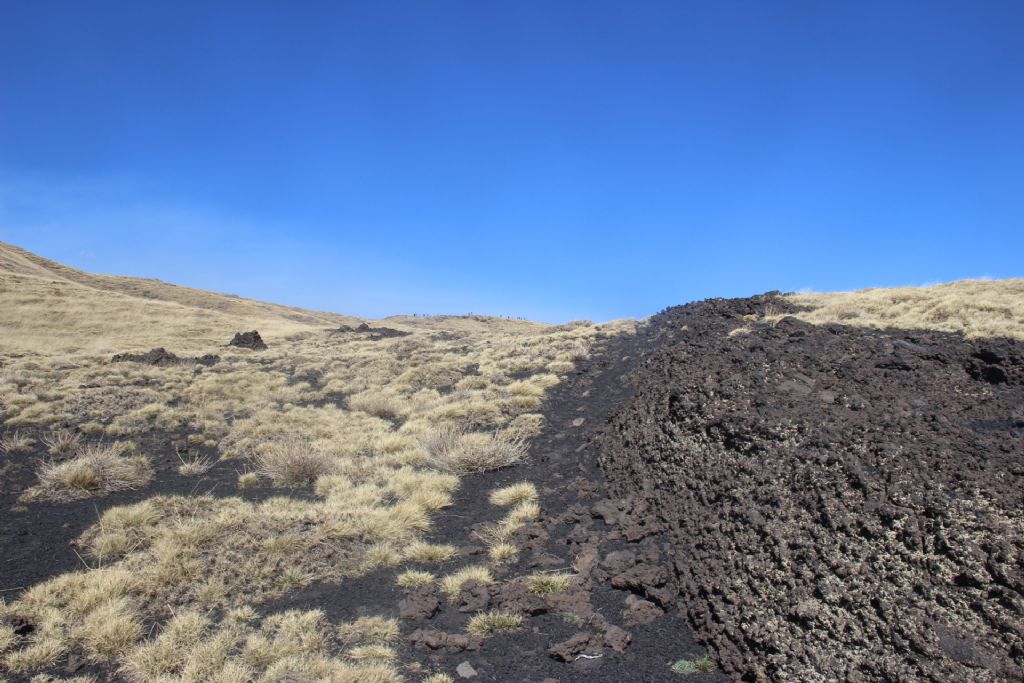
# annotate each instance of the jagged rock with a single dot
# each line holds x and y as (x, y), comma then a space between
(248, 340)
(421, 603)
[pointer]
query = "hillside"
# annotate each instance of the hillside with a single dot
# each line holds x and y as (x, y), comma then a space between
(808, 487)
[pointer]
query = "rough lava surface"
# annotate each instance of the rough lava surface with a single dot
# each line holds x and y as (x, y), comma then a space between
(842, 503)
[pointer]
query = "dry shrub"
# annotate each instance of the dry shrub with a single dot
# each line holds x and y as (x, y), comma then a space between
(413, 578)
(371, 629)
(61, 441)
(419, 551)
(523, 492)
(543, 584)
(379, 404)
(95, 469)
(292, 462)
(459, 452)
(486, 623)
(14, 442)
(195, 466)
(453, 583)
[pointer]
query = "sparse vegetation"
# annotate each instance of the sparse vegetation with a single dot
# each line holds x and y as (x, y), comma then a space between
(354, 419)
(439, 678)
(524, 492)
(977, 308)
(486, 623)
(61, 441)
(503, 552)
(248, 480)
(196, 465)
(378, 404)
(419, 551)
(453, 450)
(95, 469)
(372, 629)
(686, 667)
(292, 462)
(453, 583)
(15, 442)
(413, 578)
(545, 584)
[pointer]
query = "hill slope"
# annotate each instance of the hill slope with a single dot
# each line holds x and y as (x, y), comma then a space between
(48, 308)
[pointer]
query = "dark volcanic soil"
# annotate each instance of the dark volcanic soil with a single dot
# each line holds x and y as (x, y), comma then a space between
(842, 504)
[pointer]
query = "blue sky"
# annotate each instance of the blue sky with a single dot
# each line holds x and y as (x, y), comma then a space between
(552, 160)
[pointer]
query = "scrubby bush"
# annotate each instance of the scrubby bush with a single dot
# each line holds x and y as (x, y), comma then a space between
(95, 469)
(292, 462)
(460, 452)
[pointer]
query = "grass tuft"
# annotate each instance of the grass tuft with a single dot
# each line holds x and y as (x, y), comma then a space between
(197, 466)
(292, 462)
(453, 583)
(96, 469)
(374, 629)
(372, 653)
(14, 442)
(419, 551)
(248, 480)
(686, 667)
(545, 584)
(414, 578)
(459, 452)
(61, 441)
(523, 492)
(486, 623)
(503, 553)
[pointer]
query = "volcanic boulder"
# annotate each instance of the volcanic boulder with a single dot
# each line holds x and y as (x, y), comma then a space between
(248, 340)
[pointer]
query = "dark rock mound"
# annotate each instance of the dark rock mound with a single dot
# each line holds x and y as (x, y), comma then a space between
(371, 333)
(248, 340)
(161, 357)
(841, 503)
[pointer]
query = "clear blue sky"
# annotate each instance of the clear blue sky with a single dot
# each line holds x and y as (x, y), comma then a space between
(547, 159)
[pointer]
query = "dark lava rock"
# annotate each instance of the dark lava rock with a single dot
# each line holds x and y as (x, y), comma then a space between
(432, 639)
(617, 638)
(248, 340)
(639, 611)
(371, 333)
(841, 503)
(422, 603)
(474, 597)
(161, 357)
(567, 650)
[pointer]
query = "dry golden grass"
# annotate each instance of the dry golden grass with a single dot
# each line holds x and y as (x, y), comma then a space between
(453, 583)
(413, 578)
(292, 462)
(543, 584)
(439, 678)
(454, 450)
(339, 413)
(524, 492)
(95, 469)
(486, 623)
(976, 308)
(61, 441)
(47, 308)
(373, 629)
(15, 442)
(419, 551)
